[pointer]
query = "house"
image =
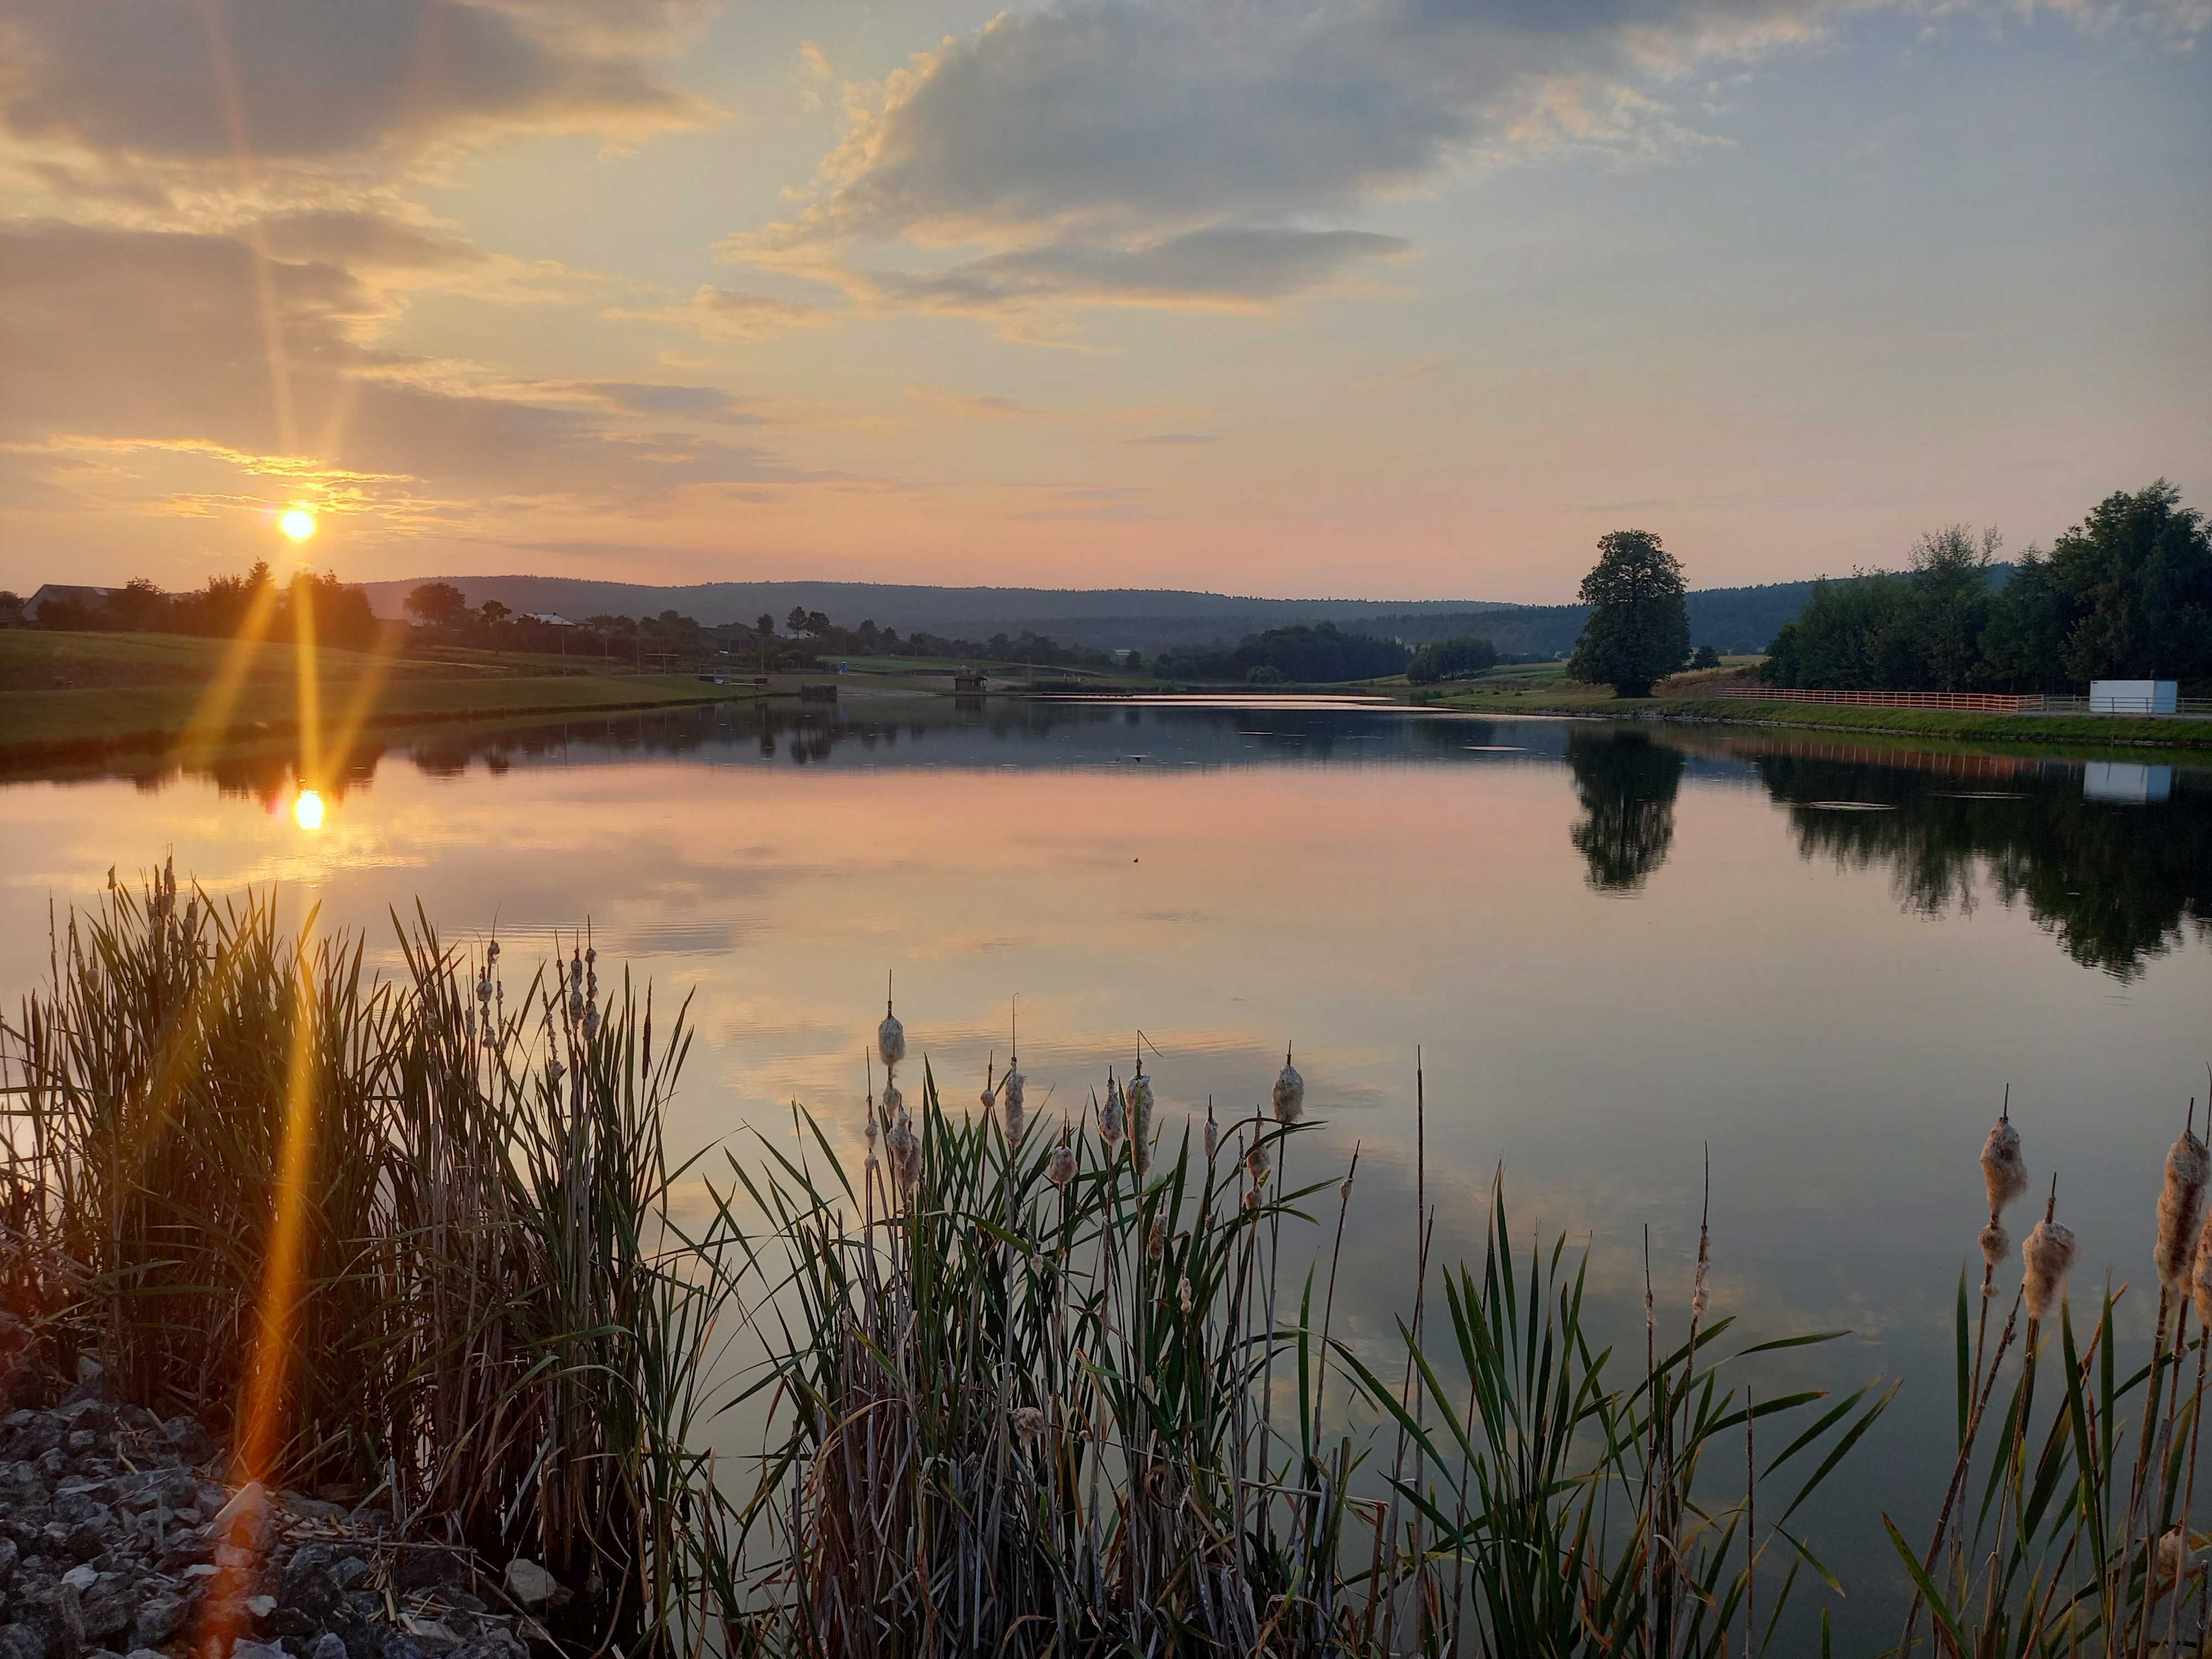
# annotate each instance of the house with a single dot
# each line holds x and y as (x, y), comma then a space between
(551, 619)
(86, 598)
(968, 683)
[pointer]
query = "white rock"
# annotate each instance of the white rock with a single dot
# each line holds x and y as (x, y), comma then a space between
(245, 1519)
(529, 1584)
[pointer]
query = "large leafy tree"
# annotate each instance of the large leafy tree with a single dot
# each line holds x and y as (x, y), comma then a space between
(1638, 630)
(2133, 585)
(437, 605)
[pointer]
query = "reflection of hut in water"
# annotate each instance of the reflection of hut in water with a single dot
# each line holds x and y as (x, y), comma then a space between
(968, 683)
(818, 694)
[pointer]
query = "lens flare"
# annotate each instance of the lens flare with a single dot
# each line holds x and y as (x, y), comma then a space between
(307, 809)
(299, 523)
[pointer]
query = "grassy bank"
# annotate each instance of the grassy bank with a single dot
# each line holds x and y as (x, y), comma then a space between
(2116, 731)
(148, 693)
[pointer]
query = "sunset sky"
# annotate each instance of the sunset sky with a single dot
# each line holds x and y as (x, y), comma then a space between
(1391, 298)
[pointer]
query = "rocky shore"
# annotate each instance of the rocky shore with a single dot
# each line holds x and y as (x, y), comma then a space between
(119, 1536)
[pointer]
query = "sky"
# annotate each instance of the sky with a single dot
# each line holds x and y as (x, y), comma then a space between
(1358, 298)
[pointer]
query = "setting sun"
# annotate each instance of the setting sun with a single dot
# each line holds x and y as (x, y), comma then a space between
(299, 523)
(307, 809)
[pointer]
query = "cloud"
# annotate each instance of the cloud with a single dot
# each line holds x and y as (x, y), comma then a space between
(1195, 154)
(723, 313)
(983, 405)
(1221, 268)
(1170, 439)
(287, 83)
(138, 341)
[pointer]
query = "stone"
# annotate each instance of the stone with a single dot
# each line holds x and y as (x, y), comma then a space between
(160, 1618)
(81, 1578)
(20, 1640)
(246, 1648)
(145, 1653)
(258, 1607)
(10, 1553)
(245, 1520)
(329, 1646)
(348, 1572)
(530, 1584)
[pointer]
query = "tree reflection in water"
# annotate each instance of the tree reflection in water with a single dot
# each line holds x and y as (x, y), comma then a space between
(2116, 885)
(1627, 784)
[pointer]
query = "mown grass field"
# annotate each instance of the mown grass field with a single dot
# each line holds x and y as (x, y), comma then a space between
(67, 694)
(2070, 730)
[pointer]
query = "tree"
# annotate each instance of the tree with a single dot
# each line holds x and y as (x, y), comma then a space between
(439, 605)
(1638, 629)
(493, 612)
(1450, 660)
(796, 622)
(1704, 657)
(765, 627)
(2133, 583)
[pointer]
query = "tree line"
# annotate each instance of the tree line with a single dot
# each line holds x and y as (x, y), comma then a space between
(2126, 594)
(225, 608)
(1306, 653)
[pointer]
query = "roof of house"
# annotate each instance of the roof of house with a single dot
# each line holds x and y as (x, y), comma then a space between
(62, 594)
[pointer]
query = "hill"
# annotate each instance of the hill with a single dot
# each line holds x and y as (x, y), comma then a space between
(1731, 619)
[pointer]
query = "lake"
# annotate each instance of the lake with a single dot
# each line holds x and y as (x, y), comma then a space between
(1612, 947)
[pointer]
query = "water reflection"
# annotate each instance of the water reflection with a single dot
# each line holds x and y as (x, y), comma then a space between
(1626, 783)
(2115, 887)
(2112, 858)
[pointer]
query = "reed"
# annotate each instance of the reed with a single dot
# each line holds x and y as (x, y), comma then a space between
(401, 1240)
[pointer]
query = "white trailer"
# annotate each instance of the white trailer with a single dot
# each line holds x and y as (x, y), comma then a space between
(2135, 697)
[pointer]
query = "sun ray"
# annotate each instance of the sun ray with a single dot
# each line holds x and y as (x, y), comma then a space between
(210, 717)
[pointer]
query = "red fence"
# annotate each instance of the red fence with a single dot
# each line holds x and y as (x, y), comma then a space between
(1981, 702)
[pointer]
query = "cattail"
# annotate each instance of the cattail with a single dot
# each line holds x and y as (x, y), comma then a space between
(1113, 1117)
(483, 984)
(2201, 1281)
(1996, 1245)
(1028, 1423)
(1212, 1133)
(1255, 1163)
(894, 1101)
(1182, 1299)
(2046, 1257)
(2003, 1170)
(590, 1020)
(1156, 1246)
(1344, 1190)
(1289, 1093)
(871, 1125)
(491, 953)
(1062, 1169)
(890, 1037)
(1140, 1118)
(1012, 1089)
(2180, 1208)
(2174, 1557)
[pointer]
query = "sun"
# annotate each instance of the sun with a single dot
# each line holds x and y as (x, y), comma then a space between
(299, 523)
(307, 809)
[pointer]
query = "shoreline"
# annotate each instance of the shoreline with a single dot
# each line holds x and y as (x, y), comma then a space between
(2017, 730)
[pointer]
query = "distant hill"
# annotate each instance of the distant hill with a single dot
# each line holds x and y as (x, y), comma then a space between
(1730, 619)
(1150, 619)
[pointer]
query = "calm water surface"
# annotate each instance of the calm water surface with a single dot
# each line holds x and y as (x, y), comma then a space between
(1613, 947)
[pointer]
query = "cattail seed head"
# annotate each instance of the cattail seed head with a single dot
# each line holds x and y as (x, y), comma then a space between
(1182, 1299)
(1255, 1164)
(2200, 1284)
(2174, 1557)
(2003, 1170)
(1060, 1170)
(1112, 1116)
(2180, 1210)
(1212, 1133)
(1028, 1423)
(2046, 1256)
(894, 1101)
(591, 1020)
(1289, 1093)
(1996, 1245)
(1014, 1107)
(890, 1037)
(1156, 1246)
(1139, 1099)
